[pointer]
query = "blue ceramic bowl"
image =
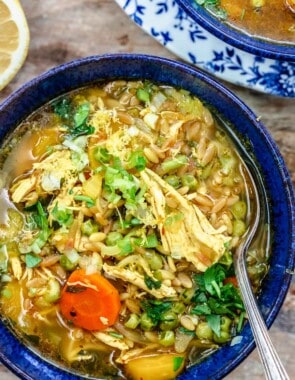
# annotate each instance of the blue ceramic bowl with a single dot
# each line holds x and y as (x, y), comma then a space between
(28, 364)
(243, 41)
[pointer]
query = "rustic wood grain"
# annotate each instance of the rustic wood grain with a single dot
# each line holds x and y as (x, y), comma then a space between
(62, 30)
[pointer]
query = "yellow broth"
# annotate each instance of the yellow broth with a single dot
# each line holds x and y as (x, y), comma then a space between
(139, 184)
(273, 20)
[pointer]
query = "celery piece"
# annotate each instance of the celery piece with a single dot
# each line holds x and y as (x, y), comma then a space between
(167, 338)
(52, 293)
(173, 180)
(125, 246)
(113, 238)
(190, 181)
(62, 215)
(32, 260)
(66, 263)
(132, 322)
(239, 210)
(171, 164)
(239, 227)
(89, 227)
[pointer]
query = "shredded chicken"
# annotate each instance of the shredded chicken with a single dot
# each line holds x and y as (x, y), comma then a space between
(22, 188)
(111, 340)
(46, 177)
(135, 353)
(16, 267)
(186, 232)
(138, 280)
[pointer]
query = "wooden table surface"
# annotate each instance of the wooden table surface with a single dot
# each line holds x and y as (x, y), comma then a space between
(62, 30)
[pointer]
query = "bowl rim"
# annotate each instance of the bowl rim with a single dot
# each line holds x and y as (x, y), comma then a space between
(260, 47)
(33, 359)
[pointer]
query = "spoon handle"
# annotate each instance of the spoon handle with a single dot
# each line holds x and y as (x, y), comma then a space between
(272, 364)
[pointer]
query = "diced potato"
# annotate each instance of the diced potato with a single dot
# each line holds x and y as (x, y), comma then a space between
(92, 186)
(160, 367)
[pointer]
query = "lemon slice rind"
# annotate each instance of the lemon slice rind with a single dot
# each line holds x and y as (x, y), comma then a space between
(19, 55)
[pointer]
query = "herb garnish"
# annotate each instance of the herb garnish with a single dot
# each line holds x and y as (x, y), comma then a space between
(215, 298)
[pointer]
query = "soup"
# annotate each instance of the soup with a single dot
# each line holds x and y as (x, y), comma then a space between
(121, 207)
(258, 17)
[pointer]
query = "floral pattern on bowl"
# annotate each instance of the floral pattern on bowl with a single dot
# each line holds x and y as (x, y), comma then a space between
(171, 26)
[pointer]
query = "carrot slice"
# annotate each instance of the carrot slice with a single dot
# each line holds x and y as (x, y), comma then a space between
(231, 280)
(90, 301)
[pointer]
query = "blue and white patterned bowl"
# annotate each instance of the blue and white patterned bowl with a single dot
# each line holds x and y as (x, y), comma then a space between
(26, 363)
(259, 47)
(172, 27)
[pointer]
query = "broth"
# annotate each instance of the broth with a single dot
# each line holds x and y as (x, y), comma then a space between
(118, 231)
(273, 20)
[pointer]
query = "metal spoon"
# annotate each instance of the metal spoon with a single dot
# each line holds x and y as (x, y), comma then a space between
(271, 362)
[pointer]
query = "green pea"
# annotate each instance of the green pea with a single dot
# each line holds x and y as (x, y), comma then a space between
(204, 331)
(167, 338)
(169, 321)
(239, 210)
(154, 259)
(178, 307)
(146, 323)
(173, 181)
(113, 238)
(190, 181)
(67, 263)
(224, 337)
(239, 227)
(225, 323)
(158, 275)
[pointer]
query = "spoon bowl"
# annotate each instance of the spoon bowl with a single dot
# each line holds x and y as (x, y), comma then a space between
(271, 362)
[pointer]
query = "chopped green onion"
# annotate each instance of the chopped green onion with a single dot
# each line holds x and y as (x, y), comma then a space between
(143, 95)
(32, 260)
(115, 335)
(84, 198)
(137, 161)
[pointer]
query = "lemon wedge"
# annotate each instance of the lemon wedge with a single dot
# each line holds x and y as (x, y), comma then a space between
(14, 40)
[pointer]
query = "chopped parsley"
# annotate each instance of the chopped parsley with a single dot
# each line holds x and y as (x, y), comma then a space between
(151, 283)
(155, 309)
(214, 298)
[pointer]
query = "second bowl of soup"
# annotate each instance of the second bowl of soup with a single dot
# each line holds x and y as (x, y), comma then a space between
(264, 28)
